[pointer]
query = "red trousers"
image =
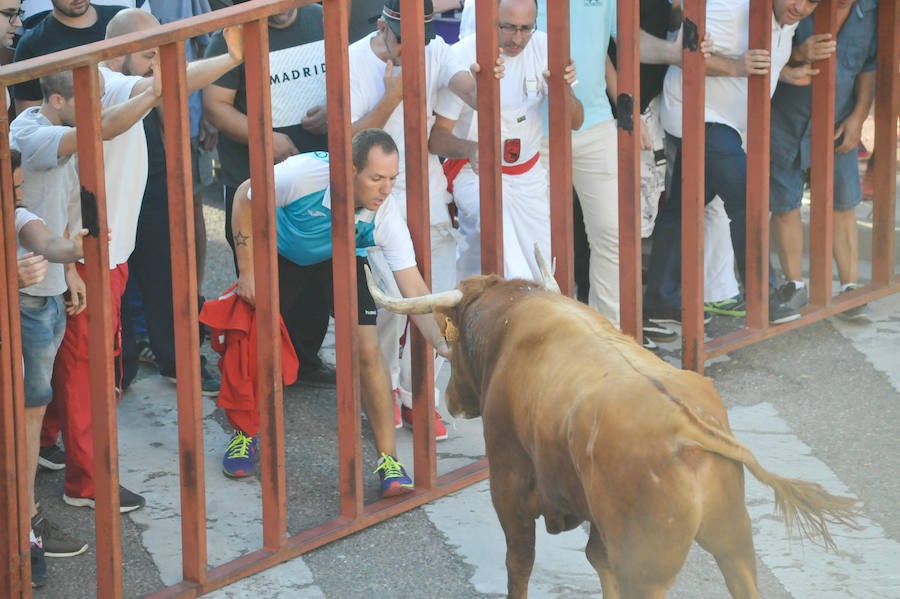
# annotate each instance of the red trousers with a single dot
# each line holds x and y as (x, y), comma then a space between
(70, 410)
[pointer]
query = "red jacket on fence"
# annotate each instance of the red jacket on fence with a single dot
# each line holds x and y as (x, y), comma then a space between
(232, 323)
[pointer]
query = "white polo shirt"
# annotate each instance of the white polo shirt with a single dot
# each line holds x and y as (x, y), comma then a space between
(728, 24)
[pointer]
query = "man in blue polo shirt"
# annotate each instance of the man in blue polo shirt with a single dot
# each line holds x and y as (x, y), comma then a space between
(791, 123)
(303, 220)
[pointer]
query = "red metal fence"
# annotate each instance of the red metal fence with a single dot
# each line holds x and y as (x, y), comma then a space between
(277, 547)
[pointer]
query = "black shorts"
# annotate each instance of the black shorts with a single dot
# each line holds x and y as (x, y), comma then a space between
(365, 301)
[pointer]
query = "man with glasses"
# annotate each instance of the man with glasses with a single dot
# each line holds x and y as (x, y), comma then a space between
(376, 95)
(526, 194)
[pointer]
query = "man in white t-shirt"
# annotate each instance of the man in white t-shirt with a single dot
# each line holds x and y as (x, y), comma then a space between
(727, 24)
(526, 199)
(376, 95)
(303, 204)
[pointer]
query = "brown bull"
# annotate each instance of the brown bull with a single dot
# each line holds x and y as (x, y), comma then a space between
(583, 424)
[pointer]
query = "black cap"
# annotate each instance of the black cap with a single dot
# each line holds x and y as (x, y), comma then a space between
(391, 16)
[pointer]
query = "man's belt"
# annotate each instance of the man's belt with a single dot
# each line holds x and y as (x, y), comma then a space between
(452, 166)
(522, 167)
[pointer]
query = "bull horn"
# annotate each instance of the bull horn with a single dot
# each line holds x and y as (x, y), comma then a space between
(424, 304)
(550, 283)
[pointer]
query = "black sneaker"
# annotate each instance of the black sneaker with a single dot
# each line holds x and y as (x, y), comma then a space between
(52, 457)
(144, 352)
(657, 332)
(857, 313)
(323, 376)
(55, 542)
(793, 296)
(670, 316)
(128, 501)
(779, 312)
(209, 383)
(38, 565)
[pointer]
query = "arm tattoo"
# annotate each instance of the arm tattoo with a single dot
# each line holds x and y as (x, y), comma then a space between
(241, 239)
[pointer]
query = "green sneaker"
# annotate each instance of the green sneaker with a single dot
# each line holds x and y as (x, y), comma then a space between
(394, 480)
(733, 306)
(240, 455)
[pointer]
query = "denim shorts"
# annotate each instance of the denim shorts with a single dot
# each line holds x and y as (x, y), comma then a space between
(786, 184)
(43, 325)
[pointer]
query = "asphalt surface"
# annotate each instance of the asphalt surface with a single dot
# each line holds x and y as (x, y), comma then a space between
(837, 387)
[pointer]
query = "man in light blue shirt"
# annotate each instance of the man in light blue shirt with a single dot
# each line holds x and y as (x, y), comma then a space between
(595, 172)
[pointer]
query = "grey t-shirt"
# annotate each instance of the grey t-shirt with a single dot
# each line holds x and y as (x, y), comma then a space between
(50, 184)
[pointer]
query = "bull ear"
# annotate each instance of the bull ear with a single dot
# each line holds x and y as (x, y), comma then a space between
(451, 333)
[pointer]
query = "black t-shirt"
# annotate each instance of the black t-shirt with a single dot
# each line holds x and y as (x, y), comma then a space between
(655, 21)
(297, 72)
(50, 36)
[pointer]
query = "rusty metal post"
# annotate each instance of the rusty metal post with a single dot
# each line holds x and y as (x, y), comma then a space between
(693, 188)
(490, 182)
(418, 217)
(821, 178)
(887, 98)
(265, 269)
(100, 338)
(759, 109)
(184, 302)
(628, 113)
(561, 220)
(346, 328)
(14, 550)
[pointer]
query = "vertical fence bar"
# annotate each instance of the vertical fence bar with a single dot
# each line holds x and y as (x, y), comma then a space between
(561, 221)
(100, 335)
(418, 217)
(693, 173)
(346, 328)
(759, 110)
(265, 269)
(14, 550)
(821, 178)
(184, 301)
(628, 105)
(490, 182)
(887, 90)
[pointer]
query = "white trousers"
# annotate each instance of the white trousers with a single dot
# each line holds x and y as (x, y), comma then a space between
(719, 281)
(595, 176)
(526, 221)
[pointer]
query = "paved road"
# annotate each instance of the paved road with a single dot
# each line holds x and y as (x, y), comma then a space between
(821, 402)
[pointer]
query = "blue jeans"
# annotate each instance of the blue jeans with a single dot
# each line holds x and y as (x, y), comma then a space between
(43, 321)
(726, 176)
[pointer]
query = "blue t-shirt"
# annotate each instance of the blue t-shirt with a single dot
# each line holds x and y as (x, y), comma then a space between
(303, 216)
(792, 104)
(591, 25)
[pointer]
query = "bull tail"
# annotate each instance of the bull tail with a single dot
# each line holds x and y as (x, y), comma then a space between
(806, 507)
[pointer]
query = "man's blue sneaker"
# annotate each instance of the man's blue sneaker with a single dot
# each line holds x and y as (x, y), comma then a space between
(394, 480)
(240, 455)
